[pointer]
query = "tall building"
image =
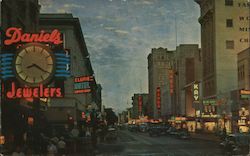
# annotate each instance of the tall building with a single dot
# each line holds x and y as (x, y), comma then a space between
(159, 64)
(188, 76)
(188, 70)
(80, 66)
(140, 103)
(224, 33)
(22, 14)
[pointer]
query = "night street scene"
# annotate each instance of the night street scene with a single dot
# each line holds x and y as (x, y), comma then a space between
(125, 78)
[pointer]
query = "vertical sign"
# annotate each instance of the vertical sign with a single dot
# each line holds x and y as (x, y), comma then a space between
(158, 98)
(196, 92)
(171, 81)
(140, 104)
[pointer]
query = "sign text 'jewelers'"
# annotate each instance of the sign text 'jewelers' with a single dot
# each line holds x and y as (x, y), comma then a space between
(34, 92)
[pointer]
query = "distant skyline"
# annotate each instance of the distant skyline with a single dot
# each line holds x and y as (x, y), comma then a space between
(120, 34)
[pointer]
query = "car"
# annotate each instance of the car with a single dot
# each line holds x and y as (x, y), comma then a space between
(235, 144)
(143, 128)
(183, 134)
(133, 128)
(111, 134)
(172, 131)
(154, 129)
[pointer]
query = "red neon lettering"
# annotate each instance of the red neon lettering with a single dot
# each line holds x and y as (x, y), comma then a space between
(58, 92)
(46, 92)
(52, 92)
(36, 92)
(84, 79)
(27, 92)
(11, 94)
(15, 35)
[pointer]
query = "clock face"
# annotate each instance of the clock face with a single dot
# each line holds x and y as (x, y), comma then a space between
(34, 64)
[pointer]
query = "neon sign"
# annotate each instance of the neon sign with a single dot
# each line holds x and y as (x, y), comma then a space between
(16, 35)
(171, 81)
(82, 84)
(140, 103)
(35, 92)
(196, 92)
(158, 98)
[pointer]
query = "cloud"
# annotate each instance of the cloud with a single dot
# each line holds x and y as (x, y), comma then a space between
(74, 6)
(137, 29)
(121, 32)
(109, 28)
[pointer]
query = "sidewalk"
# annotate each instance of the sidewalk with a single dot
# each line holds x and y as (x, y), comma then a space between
(207, 137)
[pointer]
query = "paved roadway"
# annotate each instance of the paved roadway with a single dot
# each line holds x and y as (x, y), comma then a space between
(141, 144)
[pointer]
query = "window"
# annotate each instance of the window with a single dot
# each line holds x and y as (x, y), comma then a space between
(229, 2)
(229, 22)
(229, 44)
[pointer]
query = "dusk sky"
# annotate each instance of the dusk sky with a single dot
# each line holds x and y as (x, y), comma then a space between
(120, 34)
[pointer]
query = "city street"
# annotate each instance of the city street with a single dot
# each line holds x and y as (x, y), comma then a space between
(141, 144)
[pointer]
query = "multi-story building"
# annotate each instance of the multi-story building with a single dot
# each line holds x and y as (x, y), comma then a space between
(241, 96)
(224, 33)
(140, 103)
(22, 14)
(159, 64)
(72, 104)
(188, 70)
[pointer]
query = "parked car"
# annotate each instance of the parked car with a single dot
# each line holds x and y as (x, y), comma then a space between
(111, 134)
(172, 131)
(235, 144)
(154, 129)
(183, 134)
(164, 128)
(133, 128)
(143, 127)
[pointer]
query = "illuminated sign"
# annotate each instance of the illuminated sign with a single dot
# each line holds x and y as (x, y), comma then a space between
(171, 81)
(140, 104)
(245, 94)
(35, 92)
(82, 84)
(62, 63)
(209, 115)
(196, 92)
(158, 98)
(209, 102)
(16, 35)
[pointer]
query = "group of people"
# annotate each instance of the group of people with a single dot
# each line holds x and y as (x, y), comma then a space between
(53, 147)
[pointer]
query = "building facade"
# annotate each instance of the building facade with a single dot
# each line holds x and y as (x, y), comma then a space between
(224, 33)
(140, 103)
(159, 64)
(72, 105)
(21, 14)
(188, 70)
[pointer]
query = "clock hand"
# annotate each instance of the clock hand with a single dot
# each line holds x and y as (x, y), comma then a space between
(32, 65)
(35, 65)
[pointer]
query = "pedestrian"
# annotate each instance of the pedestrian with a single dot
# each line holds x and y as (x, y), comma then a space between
(52, 150)
(18, 152)
(61, 146)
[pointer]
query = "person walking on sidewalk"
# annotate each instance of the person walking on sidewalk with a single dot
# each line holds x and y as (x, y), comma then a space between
(61, 145)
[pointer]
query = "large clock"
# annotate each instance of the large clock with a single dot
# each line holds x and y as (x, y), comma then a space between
(34, 64)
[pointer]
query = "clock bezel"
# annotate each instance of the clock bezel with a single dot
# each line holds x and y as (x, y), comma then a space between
(46, 81)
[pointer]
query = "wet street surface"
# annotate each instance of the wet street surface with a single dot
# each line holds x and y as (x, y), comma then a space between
(141, 144)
